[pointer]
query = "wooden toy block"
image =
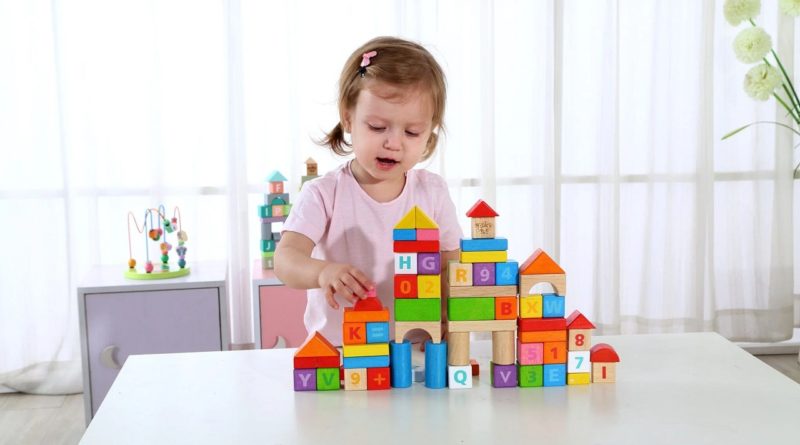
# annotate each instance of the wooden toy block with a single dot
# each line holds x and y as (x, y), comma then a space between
(305, 379)
(483, 274)
(366, 350)
(462, 309)
(554, 374)
(579, 378)
(530, 306)
(276, 198)
(543, 336)
(416, 246)
(542, 324)
(267, 245)
(603, 352)
(264, 211)
(352, 315)
(268, 263)
(481, 210)
(433, 328)
(482, 228)
(328, 379)
(580, 339)
(267, 255)
(530, 353)
(273, 219)
(404, 235)
(505, 308)
(354, 333)
(458, 348)
(578, 361)
(311, 167)
(423, 221)
(417, 309)
(405, 263)
(506, 274)
(527, 282)
(493, 256)
(483, 244)
(429, 263)
(555, 352)
(476, 368)
(504, 376)
(483, 291)
(378, 378)
(371, 303)
(405, 286)
(316, 362)
(375, 361)
(276, 187)
(459, 377)
(459, 274)
(530, 376)
(419, 374)
(377, 332)
(553, 306)
(481, 326)
(427, 234)
(401, 374)
(576, 320)
(316, 345)
(540, 263)
(503, 347)
(435, 365)
(277, 210)
(276, 236)
(429, 286)
(409, 221)
(355, 379)
(604, 372)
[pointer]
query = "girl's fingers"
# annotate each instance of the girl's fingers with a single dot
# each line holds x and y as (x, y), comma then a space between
(343, 291)
(362, 279)
(329, 297)
(354, 286)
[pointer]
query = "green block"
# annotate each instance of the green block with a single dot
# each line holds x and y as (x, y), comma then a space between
(417, 309)
(327, 379)
(465, 309)
(530, 375)
(267, 254)
(264, 211)
(286, 209)
(267, 245)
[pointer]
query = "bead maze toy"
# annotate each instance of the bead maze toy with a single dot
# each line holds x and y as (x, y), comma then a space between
(153, 233)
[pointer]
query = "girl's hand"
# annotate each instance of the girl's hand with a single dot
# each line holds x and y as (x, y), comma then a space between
(344, 280)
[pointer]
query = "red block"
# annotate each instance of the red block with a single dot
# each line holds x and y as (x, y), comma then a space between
(416, 246)
(476, 368)
(378, 378)
(316, 362)
(405, 286)
(541, 324)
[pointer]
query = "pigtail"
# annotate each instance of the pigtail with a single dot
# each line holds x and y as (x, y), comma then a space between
(336, 141)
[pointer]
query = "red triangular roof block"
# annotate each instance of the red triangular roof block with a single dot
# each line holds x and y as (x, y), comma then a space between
(603, 353)
(371, 303)
(576, 320)
(481, 210)
(316, 346)
(540, 263)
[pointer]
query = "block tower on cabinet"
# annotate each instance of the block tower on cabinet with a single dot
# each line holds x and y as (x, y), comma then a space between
(483, 298)
(275, 209)
(418, 298)
(365, 338)
(316, 365)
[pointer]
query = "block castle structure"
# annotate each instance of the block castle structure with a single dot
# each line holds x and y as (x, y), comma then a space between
(483, 298)
(365, 338)
(316, 365)
(275, 209)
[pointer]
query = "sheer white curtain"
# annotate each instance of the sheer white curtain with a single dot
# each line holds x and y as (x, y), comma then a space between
(592, 127)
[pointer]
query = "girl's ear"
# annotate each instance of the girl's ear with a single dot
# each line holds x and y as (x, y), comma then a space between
(346, 121)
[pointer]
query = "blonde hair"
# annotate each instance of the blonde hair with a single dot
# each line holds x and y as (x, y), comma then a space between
(400, 63)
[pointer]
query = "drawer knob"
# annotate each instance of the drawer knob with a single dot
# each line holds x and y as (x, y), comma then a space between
(107, 357)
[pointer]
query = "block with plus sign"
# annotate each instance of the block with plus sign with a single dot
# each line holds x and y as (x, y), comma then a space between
(378, 378)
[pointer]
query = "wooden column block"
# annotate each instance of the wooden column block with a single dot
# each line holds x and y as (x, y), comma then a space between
(503, 347)
(604, 372)
(458, 348)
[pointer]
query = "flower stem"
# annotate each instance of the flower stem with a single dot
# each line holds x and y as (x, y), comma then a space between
(788, 109)
(793, 95)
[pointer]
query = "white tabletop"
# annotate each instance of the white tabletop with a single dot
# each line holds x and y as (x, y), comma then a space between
(681, 388)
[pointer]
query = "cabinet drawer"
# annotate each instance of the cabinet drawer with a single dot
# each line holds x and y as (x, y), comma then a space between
(281, 311)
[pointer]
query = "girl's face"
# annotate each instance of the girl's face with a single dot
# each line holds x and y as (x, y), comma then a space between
(390, 127)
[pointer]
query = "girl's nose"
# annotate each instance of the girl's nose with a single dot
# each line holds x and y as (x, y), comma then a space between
(392, 141)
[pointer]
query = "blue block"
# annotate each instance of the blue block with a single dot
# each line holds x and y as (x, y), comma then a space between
(401, 364)
(404, 235)
(435, 365)
(482, 245)
(378, 361)
(506, 273)
(378, 332)
(555, 375)
(552, 306)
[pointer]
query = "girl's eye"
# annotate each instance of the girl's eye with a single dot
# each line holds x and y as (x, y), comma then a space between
(376, 128)
(412, 134)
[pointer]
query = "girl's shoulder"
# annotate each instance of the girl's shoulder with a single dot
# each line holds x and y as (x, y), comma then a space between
(427, 179)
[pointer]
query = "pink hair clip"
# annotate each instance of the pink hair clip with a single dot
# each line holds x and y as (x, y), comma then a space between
(365, 60)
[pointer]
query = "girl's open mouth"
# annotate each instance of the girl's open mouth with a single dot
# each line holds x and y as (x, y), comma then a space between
(386, 163)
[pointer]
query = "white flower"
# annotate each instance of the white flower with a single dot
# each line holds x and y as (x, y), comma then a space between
(752, 44)
(737, 11)
(790, 7)
(761, 81)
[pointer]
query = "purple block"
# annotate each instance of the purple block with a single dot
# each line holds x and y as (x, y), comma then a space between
(504, 376)
(305, 379)
(428, 264)
(483, 274)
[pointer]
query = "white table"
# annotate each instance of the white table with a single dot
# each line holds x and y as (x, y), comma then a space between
(682, 388)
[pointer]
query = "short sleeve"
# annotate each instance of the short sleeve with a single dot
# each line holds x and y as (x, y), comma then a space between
(450, 233)
(308, 215)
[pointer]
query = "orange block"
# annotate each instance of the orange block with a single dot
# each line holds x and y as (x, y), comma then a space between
(354, 333)
(542, 336)
(555, 352)
(352, 315)
(505, 308)
(317, 346)
(540, 263)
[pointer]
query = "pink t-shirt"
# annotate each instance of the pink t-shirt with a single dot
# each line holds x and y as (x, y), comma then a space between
(348, 226)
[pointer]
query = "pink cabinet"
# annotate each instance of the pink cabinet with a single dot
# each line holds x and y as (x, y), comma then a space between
(277, 311)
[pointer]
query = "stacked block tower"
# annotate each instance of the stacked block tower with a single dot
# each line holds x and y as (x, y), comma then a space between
(365, 338)
(275, 209)
(483, 298)
(418, 298)
(316, 365)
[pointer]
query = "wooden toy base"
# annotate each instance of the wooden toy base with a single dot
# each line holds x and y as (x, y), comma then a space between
(156, 274)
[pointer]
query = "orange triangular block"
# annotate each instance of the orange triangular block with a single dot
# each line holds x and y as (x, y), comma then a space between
(481, 210)
(576, 320)
(540, 263)
(423, 220)
(316, 346)
(409, 221)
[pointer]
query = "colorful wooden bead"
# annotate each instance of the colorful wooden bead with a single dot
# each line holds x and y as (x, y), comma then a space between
(132, 263)
(148, 267)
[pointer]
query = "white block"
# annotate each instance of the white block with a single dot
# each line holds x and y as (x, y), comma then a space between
(405, 263)
(578, 361)
(459, 377)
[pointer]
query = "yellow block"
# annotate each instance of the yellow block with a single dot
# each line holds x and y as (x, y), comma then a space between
(489, 256)
(530, 306)
(423, 220)
(579, 378)
(368, 350)
(409, 221)
(459, 274)
(429, 286)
